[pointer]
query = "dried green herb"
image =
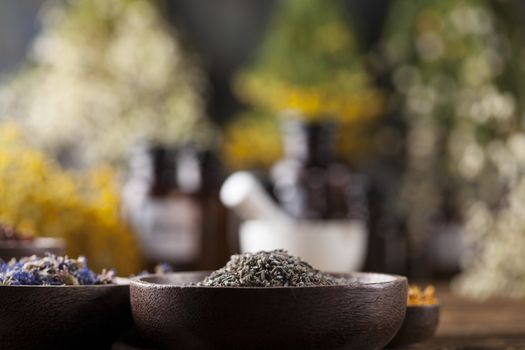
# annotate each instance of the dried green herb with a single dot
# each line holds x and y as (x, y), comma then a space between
(275, 268)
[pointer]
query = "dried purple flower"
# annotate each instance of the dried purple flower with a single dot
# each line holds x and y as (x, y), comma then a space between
(51, 270)
(163, 268)
(160, 269)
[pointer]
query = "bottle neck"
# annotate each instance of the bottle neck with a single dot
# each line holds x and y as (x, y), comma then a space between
(198, 171)
(166, 169)
(309, 142)
(163, 170)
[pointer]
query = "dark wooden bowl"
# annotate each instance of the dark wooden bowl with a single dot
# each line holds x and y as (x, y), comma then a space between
(36, 246)
(365, 314)
(63, 317)
(420, 324)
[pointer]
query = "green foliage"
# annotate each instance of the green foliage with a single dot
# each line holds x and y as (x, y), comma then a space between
(309, 62)
(309, 43)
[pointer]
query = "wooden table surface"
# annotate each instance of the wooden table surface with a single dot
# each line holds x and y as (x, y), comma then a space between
(466, 324)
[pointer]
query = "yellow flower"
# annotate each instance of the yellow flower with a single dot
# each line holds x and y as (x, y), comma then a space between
(42, 199)
(329, 99)
(253, 141)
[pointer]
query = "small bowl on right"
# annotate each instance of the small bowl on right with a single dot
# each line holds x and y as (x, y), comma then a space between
(420, 324)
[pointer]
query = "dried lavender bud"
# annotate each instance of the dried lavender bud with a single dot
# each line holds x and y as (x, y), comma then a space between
(275, 268)
(162, 269)
(51, 270)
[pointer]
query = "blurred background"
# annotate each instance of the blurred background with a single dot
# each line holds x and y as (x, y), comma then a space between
(394, 127)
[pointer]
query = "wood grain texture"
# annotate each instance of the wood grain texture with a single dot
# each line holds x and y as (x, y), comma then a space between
(62, 317)
(466, 324)
(363, 315)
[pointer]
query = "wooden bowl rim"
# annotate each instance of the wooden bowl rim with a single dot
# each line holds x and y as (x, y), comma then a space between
(432, 306)
(120, 282)
(145, 282)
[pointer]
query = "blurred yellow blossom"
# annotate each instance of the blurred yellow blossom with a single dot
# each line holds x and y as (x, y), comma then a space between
(41, 198)
(252, 141)
(312, 101)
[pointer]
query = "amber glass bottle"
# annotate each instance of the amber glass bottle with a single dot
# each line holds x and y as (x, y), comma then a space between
(172, 201)
(310, 182)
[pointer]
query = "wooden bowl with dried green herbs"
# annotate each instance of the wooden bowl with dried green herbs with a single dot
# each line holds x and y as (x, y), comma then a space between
(54, 302)
(268, 300)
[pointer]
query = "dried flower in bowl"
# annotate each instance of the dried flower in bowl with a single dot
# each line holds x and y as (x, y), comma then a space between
(275, 268)
(51, 270)
(268, 300)
(421, 318)
(159, 269)
(419, 297)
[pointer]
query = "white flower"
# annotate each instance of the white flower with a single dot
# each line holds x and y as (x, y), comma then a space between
(107, 74)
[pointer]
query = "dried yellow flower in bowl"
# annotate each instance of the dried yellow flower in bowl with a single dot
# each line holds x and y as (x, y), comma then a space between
(418, 296)
(421, 319)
